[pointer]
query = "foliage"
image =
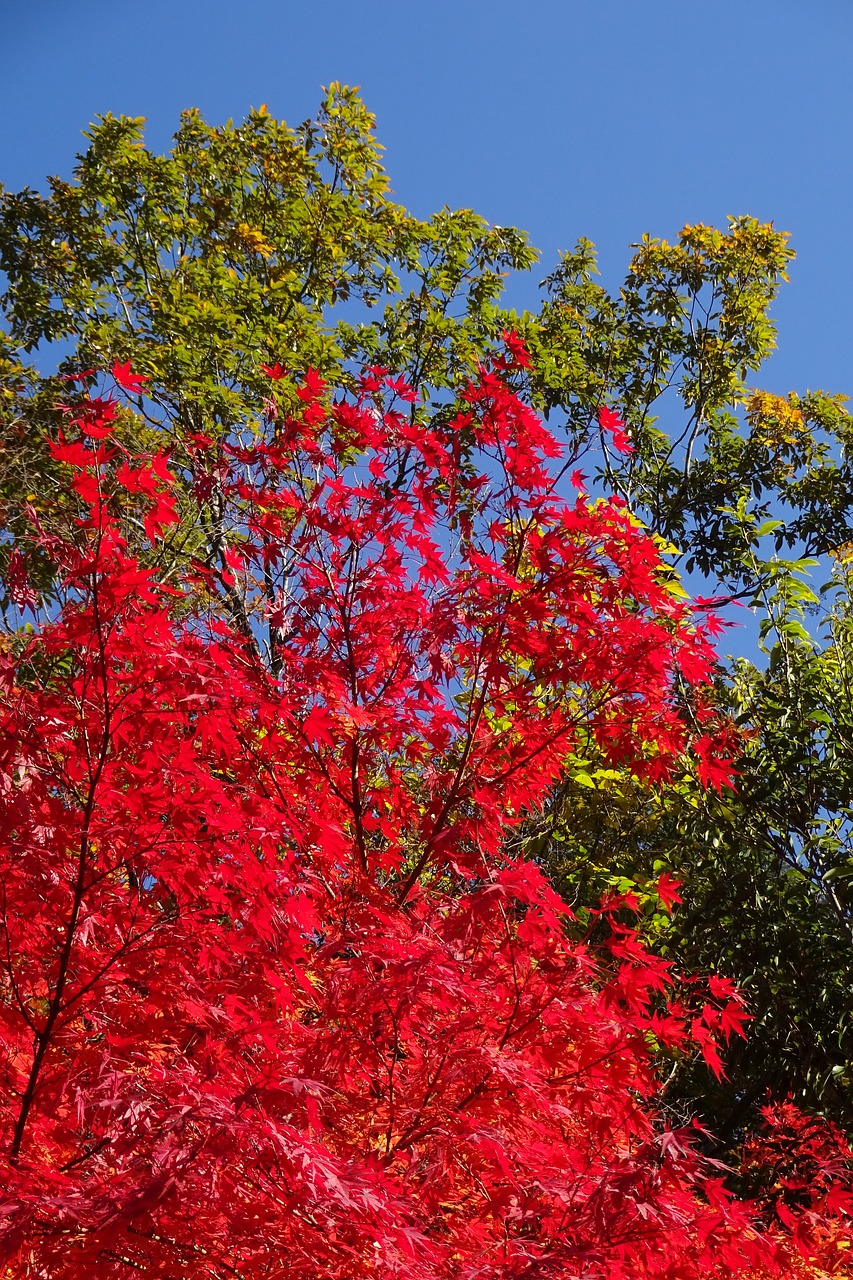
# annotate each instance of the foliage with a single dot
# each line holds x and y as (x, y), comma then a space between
(689, 324)
(765, 866)
(798, 1167)
(789, 938)
(256, 245)
(275, 1001)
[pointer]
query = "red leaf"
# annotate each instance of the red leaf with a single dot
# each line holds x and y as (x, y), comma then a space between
(612, 424)
(132, 382)
(667, 890)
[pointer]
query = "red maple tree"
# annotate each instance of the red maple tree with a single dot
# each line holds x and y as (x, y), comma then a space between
(275, 1000)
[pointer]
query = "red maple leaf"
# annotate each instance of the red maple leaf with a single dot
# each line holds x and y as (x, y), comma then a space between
(124, 376)
(612, 424)
(667, 890)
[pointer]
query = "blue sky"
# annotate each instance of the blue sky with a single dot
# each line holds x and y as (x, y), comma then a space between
(604, 118)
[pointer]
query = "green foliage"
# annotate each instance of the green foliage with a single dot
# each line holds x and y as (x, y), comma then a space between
(673, 349)
(246, 244)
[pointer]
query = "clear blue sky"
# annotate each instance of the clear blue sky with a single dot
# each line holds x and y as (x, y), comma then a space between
(605, 118)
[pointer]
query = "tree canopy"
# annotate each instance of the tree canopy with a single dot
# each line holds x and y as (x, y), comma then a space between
(400, 660)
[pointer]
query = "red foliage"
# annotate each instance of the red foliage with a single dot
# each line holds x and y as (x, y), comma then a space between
(275, 1004)
(800, 1172)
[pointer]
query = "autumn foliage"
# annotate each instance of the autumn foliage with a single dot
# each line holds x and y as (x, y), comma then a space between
(276, 1002)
